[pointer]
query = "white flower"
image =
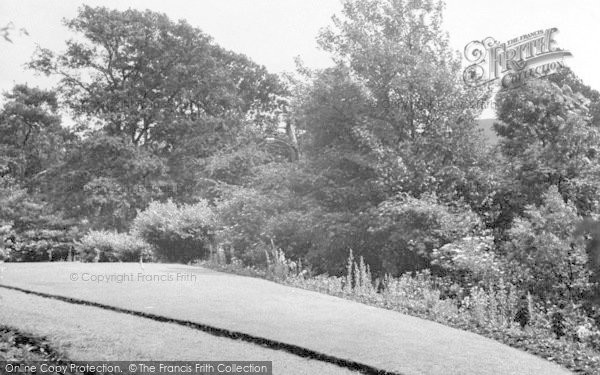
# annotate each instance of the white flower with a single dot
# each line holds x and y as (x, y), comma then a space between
(584, 332)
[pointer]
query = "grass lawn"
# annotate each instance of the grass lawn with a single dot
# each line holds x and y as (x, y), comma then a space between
(85, 333)
(345, 329)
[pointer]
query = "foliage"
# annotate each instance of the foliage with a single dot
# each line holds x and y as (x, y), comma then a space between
(241, 163)
(589, 229)
(243, 213)
(30, 229)
(31, 135)
(5, 240)
(105, 180)
(180, 233)
(412, 228)
(391, 119)
(393, 106)
(388, 162)
(156, 102)
(105, 246)
(567, 77)
(470, 260)
(151, 79)
(294, 232)
(548, 139)
(550, 260)
(40, 245)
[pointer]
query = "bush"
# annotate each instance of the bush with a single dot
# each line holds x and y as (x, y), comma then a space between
(294, 232)
(469, 260)
(30, 229)
(410, 229)
(550, 259)
(5, 243)
(243, 215)
(42, 245)
(178, 233)
(3, 254)
(104, 246)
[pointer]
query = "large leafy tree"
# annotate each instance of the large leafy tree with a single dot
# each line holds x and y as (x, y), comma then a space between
(390, 122)
(547, 139)
(32, 143)
(394, 101)
(147, 78)
(154, 101)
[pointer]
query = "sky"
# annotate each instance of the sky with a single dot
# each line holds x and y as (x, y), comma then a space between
(274, 32)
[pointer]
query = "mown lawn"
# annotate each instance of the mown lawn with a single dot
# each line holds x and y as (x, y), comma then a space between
(345, 329)
(84, 333)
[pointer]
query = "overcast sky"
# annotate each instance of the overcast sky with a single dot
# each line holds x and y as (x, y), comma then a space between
(273, 32)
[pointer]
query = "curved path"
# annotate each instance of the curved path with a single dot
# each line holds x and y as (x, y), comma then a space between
(344, 329)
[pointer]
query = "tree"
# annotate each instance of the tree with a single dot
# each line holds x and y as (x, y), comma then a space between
(106, 179)
(390, 121)
(31, 136)
(159, 85)
(155, 102)
(394, 104)
(32, 143)
(140, 75)
(548, 139)
(566, 76)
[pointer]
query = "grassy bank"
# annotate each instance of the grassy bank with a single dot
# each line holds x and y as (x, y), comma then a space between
(94, 334)
(486, 311)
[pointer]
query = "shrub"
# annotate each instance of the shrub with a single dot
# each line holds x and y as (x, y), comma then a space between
(104, 246)
(30, 229)
(469, 260)
(41, 245)
(5, 243)
(335, 233)
(294, 232)
(243, 215)
(411, 228)
(494, 307)
(551, 259)
(177, 232)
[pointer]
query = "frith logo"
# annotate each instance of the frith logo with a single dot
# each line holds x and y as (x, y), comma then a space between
(529, 56)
